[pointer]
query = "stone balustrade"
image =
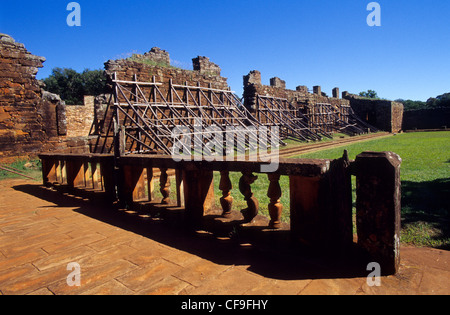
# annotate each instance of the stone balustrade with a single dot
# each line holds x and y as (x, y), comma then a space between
(320, 193)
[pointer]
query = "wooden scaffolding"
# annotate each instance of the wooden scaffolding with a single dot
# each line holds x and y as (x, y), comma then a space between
(151, 117)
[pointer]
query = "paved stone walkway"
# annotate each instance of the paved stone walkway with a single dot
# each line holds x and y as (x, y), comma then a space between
(126, 252)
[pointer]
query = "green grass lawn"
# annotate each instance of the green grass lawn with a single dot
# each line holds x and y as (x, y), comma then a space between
(29, 168)
(425, 175)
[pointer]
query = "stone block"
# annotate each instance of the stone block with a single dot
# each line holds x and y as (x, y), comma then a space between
(278, 83)
(254, 77)
(205, 66)
(378, 207)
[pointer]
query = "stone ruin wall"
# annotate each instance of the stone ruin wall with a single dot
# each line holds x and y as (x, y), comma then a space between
(383, 114)
(157, 63)
(22, 115)
(31, 119)
(436, 118)
(300, 97)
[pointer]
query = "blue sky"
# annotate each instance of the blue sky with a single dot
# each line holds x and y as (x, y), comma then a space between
(314, 42)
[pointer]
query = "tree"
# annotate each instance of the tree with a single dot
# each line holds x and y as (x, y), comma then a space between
(94, 82)
(439, 101)
(73, 86)
(412, 105)
(369, 94)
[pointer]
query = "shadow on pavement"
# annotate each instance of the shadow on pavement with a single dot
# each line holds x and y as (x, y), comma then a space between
(269, 253)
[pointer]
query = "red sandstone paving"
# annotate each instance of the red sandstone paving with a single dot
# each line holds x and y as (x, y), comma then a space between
(38, 238)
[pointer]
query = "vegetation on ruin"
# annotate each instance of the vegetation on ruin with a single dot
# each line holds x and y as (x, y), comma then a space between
(140, 59)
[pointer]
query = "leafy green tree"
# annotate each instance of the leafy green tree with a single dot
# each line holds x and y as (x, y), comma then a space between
(412, 105)
(439, 101)
(369, 94)
(94, 82)
(73, 86)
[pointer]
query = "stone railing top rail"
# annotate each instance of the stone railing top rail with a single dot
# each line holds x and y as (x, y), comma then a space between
(301, 167)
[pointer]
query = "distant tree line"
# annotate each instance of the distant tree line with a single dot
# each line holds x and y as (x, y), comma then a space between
(433, 102)
(72, 86)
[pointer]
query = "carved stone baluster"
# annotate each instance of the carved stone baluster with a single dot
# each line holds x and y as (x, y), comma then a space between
(253, 205)
(225, 186)
(164, 184)
(275, 207)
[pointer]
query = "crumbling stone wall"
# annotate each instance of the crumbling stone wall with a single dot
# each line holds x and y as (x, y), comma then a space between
(308, 103)
(205, 66)
(154, 65)
(31, 120)
(156, 55)
(34, 121)
(383, 114)
(22, 110)
(157, 63)
(300, 97)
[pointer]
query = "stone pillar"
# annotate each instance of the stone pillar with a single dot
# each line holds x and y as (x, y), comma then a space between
(277, 82)
(346, 95)
(275, 207)
(378, 207)
(302, 89)
(252, 82)
(245, 188)
(254, 77)
(317, 90)
(198, 194)
(336, 93)
(164, 186)
(48, 171)
(108, 175)
(227, 200)
(321, 208)
(305, 209)
(205, 66)
(96, 177)
(133, 187)
(75, 173)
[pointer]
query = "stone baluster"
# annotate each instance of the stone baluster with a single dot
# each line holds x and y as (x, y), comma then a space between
(275, 206)
(164, 184)
(227, 200)
(244, 187)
